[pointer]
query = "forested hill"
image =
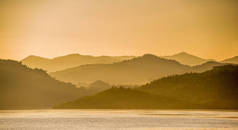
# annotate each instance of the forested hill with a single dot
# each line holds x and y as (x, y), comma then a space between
(215, 89)
(22, 87)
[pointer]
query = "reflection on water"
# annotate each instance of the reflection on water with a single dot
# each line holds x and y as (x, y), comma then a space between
(117, 119)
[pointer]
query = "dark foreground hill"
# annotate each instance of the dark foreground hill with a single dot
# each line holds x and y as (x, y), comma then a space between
(69, 61)
(22, 87)
(122, 98)
(215, 89)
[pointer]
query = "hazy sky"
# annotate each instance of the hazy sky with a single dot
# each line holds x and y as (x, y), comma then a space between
(48, 28)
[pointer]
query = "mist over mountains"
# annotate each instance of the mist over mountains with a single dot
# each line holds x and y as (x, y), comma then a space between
(233, 60)
(214, 89)
(69, 61)
(187, 59)
(75, 60)
(172, 85)
(146, 81)
(136, 71)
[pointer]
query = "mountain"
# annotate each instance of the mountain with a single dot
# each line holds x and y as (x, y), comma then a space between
(187, 59)
(233, 60)
(98, 86)
(135, 71)
(69, 61)
(121, 98)
(207, 66)
(216, 88)
(23, 88)
(213, 89)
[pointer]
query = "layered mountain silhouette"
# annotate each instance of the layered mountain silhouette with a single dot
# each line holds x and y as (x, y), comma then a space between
(214, 89)
(217, 88)
(97, 86)
(135, 71)
(187, 59)
(233, 60)
(206, 66)
(23, 88)
(69, 61)
(121, 98)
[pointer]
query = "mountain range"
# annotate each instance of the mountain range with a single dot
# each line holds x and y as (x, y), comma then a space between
(136, 71)
(75, 60)
(69, 61)
(213, 89)
(233, 60)
(26, 88)
(96, 87)
(187, 59)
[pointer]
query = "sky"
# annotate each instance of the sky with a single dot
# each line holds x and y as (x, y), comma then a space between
(50, 28)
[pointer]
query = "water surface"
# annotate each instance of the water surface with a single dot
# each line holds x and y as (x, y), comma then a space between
(117, 119)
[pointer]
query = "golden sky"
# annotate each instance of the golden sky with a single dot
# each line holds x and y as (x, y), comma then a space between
(49, 28)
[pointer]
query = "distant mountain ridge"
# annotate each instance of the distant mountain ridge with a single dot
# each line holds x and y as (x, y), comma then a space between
(136, 71)
(206, 66)
(97, 86)
(75, 60)
(213, 89)
(233, 60)
(187, 59)
(69, 61)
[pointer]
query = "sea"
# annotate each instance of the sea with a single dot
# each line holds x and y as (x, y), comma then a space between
(79, 119)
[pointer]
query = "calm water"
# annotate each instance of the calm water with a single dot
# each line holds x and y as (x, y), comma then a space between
(117, 119)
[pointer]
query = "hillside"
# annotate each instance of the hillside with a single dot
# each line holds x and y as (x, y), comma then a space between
(97, 86)
(217, 88)
(214, 89)
(206, 66)
(22, 87)
(233, 60)
(135, 71)
(187, 59)
(121, 98)
(69, 61)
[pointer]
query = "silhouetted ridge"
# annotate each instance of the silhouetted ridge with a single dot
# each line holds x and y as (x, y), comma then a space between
(149, 56)
(153, 58)
(226, 68)
(187, 59)
(138, 70)
(69, 61)
(22, 87)
(207, 66)
(214, 89)
(98, 86)
(217, 88)
(233, 60)
(121, 98)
